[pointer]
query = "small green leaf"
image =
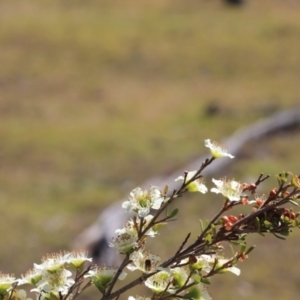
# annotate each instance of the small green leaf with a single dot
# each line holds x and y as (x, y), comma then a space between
(166, 189)
(213, 229)
(279, 237)
(208, 238)
(205, 280)
(53, 296)
(250, 250)
(201, 225)
(232, 250)
(197, 278)
(173, 213)
(158, 226)
(242, 247)
(257, 224)
(285, 232)
(192, 294)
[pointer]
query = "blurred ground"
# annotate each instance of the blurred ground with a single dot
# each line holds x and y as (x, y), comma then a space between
(97, 96)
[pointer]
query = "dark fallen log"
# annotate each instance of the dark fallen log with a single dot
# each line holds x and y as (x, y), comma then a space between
(95, 238)
(234, 2)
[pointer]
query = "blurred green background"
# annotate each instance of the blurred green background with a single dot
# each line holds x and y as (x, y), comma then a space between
(97, 96)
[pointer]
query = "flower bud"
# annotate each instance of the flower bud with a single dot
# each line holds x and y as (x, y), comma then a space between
(225, 219)
(228, 226)
(273, 192)
(232, 219)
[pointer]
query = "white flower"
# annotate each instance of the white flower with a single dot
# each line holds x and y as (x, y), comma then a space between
(207, 262)
(232, 269)
(31, 277)
(126, 242)
(204, 293)
(231, 190)
(6, 282)
(51, 278)
(152, 232)
(77, 258)
(180, 277)
(141, 201)
(195, 186)
(52, 262)
(138, 298)
(102, 276)
(20, 295)
(130, 227)
(216, 149)
(51, 296)
(204, 263)
(198, 292)
(57, 282)
(159, 281)
(168, 280)
(144, 261)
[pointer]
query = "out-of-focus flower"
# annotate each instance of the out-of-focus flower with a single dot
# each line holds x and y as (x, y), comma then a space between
(159, 281)
(77, 258)
(204, 263)
(141, 201)
(52, 262)
(144, 261)
(231, 190)
(138, 298)
(195, 186)
(102, 276)
(51, 278)
(130, 226)
(232, 269)
(217, 150)
(259, 200)
(6, 282)
(57, 282)
(126, 242)
(180, 277)
(31, 277)
(19, 295)
(204, 295)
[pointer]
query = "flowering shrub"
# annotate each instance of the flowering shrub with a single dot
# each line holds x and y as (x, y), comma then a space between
(187, 273)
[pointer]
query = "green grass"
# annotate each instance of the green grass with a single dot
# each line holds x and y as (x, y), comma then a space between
(97, 96)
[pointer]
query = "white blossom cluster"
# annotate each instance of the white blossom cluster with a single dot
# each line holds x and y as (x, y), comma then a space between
(183, 276)
(51, 280)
